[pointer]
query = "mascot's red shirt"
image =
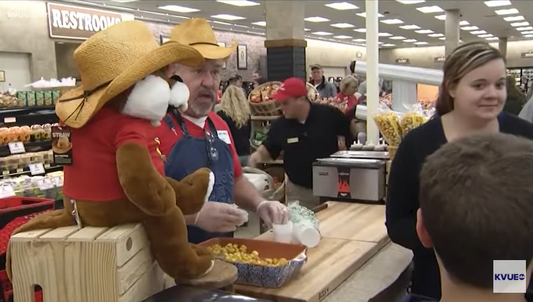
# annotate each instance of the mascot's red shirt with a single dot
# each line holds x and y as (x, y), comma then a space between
(93, 174)
(168, 137)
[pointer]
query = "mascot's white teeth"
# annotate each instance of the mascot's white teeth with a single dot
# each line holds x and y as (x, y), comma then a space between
(179, 95)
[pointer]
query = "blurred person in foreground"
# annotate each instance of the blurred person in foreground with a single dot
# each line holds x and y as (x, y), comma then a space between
(198, 137)
(476, 198)
(304, 133)
(235, 111)
(471, 99)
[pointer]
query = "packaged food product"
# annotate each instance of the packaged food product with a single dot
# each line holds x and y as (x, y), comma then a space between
(24, 134)
(388, 123)
(4, 135)
(12, 162)
(56, 94)
(47, 132)
(37, 133)
(13, 134)
(30, 99)
(48, 101)
(39, 98)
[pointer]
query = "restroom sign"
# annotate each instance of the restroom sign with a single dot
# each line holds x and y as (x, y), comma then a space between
(80, 23)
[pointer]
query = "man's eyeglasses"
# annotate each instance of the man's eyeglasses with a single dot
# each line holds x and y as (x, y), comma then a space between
(212, 152)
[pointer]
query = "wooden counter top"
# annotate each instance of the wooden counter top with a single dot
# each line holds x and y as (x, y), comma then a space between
(338, 255)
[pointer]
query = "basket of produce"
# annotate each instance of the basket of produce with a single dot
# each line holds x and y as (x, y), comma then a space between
(262, 101)
(260, 263)
(312, 93)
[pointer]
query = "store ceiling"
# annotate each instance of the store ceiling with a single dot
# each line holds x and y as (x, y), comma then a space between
(489, 24)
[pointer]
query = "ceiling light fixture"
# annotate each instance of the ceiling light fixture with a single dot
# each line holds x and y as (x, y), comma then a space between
(228, 17)
(360, 30)
(464, 23)
(514, 18)
(492, 38)
(441, 17)
(260, 23)
(443, 38)
(364, 15)
(510, 11)
(124, 1)
(410, 27)
(524, 28)
(392, 21)
(410, 40)
(316, 19)
(527, 32)
(497, 3)
(322, 33)
(359, 40)
(478, 32)
(397, 38)
(430, 9)
(470, 28)
(421, 43)
(223, 23)
(342, 37)
(424, 31)
(178, 9)
(520, 24)
(528, 36)
(384, 35)
(410, 1)
(486, 36)
(239, 2)
(342, 6)
(388, 45)
(307, 29)
(436, 35)
(342, 25)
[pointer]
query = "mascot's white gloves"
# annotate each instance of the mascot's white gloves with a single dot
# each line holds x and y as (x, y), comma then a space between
(219, 217)
(273, 212)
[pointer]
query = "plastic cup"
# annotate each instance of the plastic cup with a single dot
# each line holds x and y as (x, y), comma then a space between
(283, 232)
(307, 235)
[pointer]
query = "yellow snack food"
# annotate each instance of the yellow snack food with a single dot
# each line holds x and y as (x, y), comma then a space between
(239, 253)
(410, 121)
(389, 126)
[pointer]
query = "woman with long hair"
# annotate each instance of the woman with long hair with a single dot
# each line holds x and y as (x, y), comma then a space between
(471, 100)
(235, 111)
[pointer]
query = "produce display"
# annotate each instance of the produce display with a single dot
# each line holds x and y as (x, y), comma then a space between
(342, 105)
(264, 93)
(239, 254)
(26, 134)
(21, 161)
(47, 186)
(23, 99)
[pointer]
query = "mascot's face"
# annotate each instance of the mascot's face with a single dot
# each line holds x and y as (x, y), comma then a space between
(150, 97)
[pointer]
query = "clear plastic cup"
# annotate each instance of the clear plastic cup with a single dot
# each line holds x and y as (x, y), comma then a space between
(307, 235)
(283, 232)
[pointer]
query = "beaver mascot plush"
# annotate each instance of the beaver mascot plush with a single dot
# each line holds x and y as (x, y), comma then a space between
(116, 174)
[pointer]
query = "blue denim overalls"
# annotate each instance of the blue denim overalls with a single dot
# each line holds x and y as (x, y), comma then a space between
(190, 154)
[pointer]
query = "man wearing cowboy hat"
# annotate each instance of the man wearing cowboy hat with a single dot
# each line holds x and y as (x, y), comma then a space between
(198, 138)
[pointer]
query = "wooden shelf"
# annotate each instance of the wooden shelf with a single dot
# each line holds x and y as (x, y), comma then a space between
(263, 118)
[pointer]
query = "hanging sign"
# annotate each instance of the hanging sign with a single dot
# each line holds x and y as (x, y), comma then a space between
(80, 23)
(527, 55)
(402, 61)
(440, 59)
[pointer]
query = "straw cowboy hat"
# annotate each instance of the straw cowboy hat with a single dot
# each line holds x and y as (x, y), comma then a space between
(112, 61)
(198, 33)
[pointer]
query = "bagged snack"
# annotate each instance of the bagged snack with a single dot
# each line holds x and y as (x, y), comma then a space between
(388, 123)
(418, 114)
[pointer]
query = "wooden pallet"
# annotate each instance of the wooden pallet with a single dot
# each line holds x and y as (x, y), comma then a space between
(87, 265)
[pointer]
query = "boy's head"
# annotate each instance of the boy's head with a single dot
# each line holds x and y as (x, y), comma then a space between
(476, 206)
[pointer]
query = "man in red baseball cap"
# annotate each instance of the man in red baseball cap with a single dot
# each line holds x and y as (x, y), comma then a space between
(306, 132)
(292, 96)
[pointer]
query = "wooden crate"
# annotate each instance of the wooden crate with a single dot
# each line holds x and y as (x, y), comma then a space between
(87, 265)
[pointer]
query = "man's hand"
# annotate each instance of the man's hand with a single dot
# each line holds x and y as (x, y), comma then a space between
(273, 212)
(218, 217)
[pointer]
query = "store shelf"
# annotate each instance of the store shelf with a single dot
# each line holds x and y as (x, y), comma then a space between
(27, 116)
(19, 172)
(29, 147)
(264, 118)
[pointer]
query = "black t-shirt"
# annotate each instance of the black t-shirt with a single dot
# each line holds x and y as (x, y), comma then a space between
(303, 143)
(402, 196)
(241, 136)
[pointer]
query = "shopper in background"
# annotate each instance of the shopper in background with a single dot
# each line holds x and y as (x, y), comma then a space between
(469, 189)
(325, 89)
(235, 111)
(348, 88)
(199, 138)
(515, 98)
(527, 111)
(304, 133)
(472, 96)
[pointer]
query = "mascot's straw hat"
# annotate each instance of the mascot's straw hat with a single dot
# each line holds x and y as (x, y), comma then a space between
(198, 34)
(112, 61)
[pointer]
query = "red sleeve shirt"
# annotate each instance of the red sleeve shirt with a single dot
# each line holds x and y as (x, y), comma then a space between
(168, 137)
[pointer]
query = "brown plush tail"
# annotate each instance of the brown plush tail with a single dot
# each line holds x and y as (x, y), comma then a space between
(47, 220)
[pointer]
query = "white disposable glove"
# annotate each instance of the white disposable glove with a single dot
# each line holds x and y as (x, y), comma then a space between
(273, 212)
(219, 217)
